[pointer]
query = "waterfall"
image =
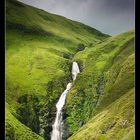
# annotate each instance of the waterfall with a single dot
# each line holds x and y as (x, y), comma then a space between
(75, 70)
(57, 126)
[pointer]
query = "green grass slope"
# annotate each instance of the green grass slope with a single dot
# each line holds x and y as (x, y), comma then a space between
(107, 73)
(39, 49)
(15, 130)
(115, 122)
(34, 20)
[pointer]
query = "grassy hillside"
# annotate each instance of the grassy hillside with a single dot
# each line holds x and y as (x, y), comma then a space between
(39, 49)
(15, 130)
(34, 20)
(115, 122)
(107, 74)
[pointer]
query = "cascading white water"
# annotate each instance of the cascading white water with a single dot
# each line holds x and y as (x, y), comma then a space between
(75, 70)
(57, 126)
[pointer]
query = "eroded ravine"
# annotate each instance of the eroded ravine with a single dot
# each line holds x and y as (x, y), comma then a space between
(57, 131)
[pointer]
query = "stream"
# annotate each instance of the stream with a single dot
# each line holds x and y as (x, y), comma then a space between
(57, 131)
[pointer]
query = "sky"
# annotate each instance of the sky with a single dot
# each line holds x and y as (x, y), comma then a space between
(109, 16)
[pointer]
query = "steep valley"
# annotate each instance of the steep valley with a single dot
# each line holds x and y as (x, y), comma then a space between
(40, 49)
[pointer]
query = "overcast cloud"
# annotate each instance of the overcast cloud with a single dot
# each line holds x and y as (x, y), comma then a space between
(109, 16)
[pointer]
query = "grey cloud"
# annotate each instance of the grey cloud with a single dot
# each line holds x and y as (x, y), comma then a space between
(108, 16)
